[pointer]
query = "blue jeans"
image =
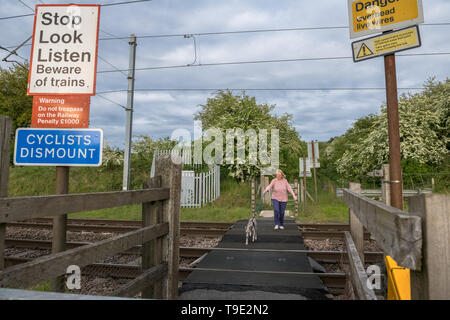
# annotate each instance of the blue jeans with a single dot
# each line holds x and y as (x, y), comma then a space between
(278, 211)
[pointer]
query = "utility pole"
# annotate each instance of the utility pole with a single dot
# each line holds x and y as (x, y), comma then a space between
(395, 169)
(314, 168)
(129, 110)
(304, 187)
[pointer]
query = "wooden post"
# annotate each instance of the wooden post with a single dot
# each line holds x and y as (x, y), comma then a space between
(393, 132)
(432, 184)
(60, 225)
(150, 254)
(433, 281)
(385, 186)
(356, 227)
(302, 192)
(296, 193)
(170, 173)
(253, 197)
(5, 147)
(264, 186)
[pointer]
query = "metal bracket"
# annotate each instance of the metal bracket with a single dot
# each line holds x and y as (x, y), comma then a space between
(392, 181)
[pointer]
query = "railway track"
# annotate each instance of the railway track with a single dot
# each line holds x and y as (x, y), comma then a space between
(335, 282)
(194, 252)
(191, 228)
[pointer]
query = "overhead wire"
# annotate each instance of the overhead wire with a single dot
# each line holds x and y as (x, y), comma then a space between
(264, 61)
(102, 5)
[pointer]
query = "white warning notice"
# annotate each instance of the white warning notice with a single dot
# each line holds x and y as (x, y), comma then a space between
(64, 50)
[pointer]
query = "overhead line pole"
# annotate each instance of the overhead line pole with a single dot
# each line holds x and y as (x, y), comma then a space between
(395, 169)
(314, 168)
(129, 111)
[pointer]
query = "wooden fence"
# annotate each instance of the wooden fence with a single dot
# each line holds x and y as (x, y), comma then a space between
(159, 235)
(418, 240)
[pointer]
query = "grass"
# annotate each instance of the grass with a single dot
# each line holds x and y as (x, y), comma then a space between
(233, 203)
(328, 209)
(44, 286)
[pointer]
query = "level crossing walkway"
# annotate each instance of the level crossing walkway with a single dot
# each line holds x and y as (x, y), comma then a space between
(268, 268)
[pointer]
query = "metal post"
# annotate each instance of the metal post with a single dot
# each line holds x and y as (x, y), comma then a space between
(304, 187)
(296, 192)
(60, 224)
(395, 169)
(385, 186)
(314, 168)
(253, 197)
(129, 110)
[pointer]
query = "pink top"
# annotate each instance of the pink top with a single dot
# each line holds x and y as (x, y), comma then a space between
(279, 189)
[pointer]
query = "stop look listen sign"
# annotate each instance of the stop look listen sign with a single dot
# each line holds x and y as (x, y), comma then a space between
(64, 50)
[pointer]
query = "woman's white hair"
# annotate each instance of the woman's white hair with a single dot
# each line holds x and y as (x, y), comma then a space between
(282, 173)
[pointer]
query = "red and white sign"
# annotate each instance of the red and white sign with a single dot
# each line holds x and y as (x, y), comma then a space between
(64, 50)
(60, 111)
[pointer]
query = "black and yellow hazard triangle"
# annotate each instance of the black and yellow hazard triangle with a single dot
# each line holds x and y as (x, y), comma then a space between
(364, 51)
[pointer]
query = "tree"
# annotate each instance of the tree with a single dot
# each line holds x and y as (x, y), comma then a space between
(14, 101)
(424, 135)
(227, 111)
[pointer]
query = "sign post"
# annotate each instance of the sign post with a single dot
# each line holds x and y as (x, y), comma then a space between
(59, 238)
(395, 170)
(61, 78)
(398, 20)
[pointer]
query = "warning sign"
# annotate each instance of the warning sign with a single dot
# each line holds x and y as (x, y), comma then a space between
(60, 111)
(364, 51)
(370, 17)
(386, 43)
(64, 50)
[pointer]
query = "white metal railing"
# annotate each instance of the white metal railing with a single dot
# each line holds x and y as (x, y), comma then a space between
(197, 189)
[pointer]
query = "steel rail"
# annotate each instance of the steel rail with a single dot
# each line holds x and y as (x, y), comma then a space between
(326, 256)
(335, 282)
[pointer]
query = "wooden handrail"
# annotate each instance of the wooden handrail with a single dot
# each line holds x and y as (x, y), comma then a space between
(396, 233)
(138, 284)
(358, 276)
(23, 208)
(41, 269)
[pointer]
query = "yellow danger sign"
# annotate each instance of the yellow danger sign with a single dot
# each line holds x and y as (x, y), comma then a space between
(387, 43)
(375, 16)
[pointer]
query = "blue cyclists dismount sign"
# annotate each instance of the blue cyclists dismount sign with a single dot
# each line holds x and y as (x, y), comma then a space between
(58, 147)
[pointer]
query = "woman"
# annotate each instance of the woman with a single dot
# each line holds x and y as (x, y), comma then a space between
(279, 197)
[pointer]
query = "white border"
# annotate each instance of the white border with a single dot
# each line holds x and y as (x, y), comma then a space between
(395, 26)
(59, 164)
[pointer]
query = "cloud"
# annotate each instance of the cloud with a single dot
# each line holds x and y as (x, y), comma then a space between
(316, 114)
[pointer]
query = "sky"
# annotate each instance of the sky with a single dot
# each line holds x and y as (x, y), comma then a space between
(318, 115)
